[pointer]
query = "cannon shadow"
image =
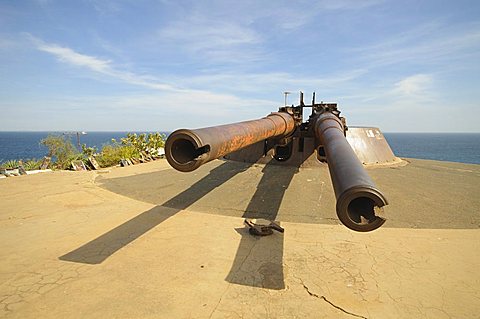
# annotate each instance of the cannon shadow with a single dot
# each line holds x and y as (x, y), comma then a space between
(100, 248)
(259, 260)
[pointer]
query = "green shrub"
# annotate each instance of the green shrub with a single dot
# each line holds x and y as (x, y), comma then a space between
(155, 141)
(139, 142)
(143, 142)
(88, 151)
(32, 164)
(112, 154)
(62, 149)
(10, 164)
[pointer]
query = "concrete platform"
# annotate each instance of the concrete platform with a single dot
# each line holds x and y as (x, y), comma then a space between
(146, 241)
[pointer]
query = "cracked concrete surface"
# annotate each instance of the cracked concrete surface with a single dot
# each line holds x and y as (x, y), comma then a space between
(330, 303)
(160, 244)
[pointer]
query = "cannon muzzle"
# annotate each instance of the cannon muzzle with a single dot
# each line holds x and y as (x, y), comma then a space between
(186, 150)
(358, 199)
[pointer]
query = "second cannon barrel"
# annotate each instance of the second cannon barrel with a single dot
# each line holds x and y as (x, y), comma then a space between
(358, 199)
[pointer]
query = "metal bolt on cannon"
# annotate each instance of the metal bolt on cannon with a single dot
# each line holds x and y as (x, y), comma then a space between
(359, 202)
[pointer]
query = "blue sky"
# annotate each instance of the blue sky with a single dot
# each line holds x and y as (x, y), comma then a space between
(404, 66)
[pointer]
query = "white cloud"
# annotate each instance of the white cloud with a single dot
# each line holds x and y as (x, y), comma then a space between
(282, 13)
(218, 40)
(425, 44)
(207, 34)
(415, 90)
(102, 66)
(196, 88)
(239, 32)
(69, 56)
(169, 98)
(348, 4)
(105, 7)
(272, 84)
(413, 85)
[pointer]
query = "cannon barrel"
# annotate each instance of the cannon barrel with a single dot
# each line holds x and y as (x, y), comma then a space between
(186, 150)
(358, 199)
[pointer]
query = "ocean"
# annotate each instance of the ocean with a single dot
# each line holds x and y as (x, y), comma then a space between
(453, 147)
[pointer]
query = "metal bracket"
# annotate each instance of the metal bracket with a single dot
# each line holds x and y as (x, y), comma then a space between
(262, 227)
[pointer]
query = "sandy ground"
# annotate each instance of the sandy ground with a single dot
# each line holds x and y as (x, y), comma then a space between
(149, 242)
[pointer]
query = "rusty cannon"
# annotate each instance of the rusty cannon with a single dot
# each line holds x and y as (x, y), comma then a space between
(186, 150)
(359, 203)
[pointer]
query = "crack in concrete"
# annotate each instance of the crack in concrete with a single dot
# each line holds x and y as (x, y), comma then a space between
(31, 284)
(229, 285)
(331, 303)
(219, 301)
